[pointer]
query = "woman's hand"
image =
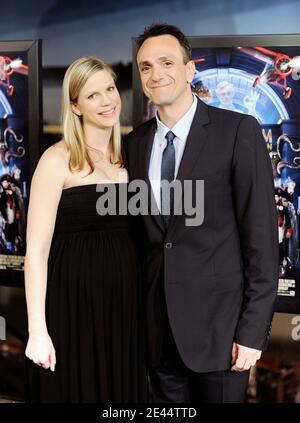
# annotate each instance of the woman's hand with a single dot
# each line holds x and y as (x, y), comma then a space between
(40, 350)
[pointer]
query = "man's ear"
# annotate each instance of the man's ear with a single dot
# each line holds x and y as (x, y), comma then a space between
(190, 71)
(75, 109)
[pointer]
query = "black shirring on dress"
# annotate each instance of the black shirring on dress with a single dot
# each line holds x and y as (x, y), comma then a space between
(94, 307)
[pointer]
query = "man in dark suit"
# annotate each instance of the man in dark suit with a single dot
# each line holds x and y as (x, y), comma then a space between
(211, 287)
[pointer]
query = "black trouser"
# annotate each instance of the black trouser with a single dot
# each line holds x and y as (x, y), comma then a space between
(172, 382)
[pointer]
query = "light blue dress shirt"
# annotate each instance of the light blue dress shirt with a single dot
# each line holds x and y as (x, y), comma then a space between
(181, 130)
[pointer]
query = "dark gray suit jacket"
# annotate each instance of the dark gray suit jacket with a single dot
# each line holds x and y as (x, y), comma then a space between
(217, 282)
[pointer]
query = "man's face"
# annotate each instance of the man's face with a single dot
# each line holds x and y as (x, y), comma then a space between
(164, 75)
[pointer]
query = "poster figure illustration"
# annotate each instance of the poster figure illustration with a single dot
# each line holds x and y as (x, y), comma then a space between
(265, 83)
(14, 173)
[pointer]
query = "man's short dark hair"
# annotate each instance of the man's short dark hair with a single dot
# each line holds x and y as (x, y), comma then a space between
(157, 29)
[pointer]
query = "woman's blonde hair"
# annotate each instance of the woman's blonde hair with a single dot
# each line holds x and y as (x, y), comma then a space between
(75, 78)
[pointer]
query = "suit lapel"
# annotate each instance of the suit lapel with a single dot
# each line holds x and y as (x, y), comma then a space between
(194, 144)
(145, 149)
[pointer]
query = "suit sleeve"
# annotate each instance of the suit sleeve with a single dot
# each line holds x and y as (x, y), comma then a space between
(254, 201)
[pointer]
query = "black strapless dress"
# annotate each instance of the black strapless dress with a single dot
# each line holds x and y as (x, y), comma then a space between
(93, 307)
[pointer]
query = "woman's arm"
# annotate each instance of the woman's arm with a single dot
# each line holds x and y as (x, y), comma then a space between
(46, 188)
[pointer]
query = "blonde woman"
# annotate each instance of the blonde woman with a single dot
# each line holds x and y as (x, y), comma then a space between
(82, 274)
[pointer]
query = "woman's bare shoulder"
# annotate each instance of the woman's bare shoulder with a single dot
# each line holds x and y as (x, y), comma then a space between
(59, 150)
(56, 154)
(54, 161)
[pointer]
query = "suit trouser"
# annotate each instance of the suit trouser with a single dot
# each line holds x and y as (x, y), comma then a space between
(172, 382)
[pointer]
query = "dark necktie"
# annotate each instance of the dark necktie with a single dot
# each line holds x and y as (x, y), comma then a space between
(168, 174)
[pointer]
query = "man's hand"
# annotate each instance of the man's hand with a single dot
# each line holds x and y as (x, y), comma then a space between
(243, 357)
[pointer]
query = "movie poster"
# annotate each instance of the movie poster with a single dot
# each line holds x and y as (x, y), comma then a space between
(263, 82)
(14, 171)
